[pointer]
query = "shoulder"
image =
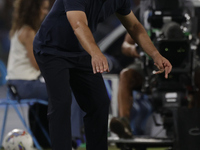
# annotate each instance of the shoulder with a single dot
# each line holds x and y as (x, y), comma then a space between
(26, 33)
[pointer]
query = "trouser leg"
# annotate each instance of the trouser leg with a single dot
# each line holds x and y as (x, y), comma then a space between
(91, 95)
(76, 119)
(56, 74)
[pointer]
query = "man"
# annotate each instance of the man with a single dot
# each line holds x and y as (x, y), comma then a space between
(68, 56)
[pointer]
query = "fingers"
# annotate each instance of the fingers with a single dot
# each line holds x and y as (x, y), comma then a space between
(100, 67)
(158, 72)
(105, 67)
(166, 75)
(94, 69)
(160, 67)
(167, 71)
(166, 66)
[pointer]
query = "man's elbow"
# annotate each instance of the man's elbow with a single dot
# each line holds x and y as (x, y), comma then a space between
(77, 19)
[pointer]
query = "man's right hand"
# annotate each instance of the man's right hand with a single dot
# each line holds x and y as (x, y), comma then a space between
(99, 63)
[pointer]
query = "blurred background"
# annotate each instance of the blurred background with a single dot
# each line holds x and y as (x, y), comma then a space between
(109, 36)
(6, 9)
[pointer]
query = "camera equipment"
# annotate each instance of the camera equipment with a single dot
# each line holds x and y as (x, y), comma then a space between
(167, 31)
(163, 11)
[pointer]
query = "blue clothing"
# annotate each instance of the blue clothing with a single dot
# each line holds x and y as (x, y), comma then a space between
(30, 89)
(56, 35)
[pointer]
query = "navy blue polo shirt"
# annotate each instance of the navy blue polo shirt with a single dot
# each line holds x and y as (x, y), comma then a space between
(56, 35)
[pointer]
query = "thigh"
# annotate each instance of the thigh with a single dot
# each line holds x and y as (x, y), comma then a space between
(89, 88)
(55, 71)
(130, 79)
(137, 66)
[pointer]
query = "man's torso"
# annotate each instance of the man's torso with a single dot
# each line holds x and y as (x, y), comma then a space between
(56, 35)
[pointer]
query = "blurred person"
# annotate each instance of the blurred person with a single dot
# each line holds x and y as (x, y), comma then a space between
(22, 69)
(68, 56)
(131, 78)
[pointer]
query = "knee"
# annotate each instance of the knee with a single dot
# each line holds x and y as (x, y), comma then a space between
(127, 74)
(104, 105)
(56, 107)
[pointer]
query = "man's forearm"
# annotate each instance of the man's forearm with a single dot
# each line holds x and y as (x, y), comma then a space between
(86, 38)
(79, 24)
(139, 34)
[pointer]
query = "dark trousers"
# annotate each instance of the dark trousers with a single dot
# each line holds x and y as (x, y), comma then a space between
(61, 73)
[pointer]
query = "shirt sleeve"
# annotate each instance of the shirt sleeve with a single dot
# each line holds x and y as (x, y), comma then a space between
(126, 7)
(74, 5)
